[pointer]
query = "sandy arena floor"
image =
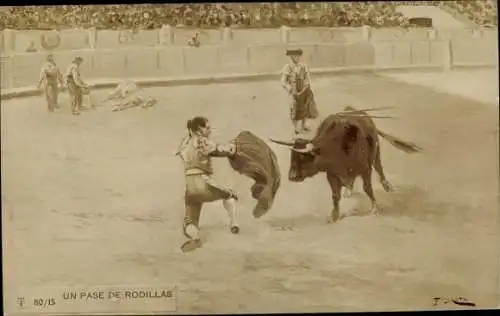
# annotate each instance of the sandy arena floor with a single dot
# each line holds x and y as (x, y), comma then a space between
(97, 200)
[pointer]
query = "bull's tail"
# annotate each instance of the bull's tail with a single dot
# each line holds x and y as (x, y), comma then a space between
(400, 144)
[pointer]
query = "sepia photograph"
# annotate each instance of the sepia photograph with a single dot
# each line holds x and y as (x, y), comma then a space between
(277, 157)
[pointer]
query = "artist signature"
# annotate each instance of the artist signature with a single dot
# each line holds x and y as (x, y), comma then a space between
(456, 300)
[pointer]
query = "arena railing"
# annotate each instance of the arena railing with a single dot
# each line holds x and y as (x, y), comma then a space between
(167, 63)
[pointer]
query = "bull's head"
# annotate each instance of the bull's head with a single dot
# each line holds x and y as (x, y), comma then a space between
(302, 156)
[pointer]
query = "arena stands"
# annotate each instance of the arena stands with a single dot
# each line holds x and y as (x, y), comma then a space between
(482, 13)
(206, 15)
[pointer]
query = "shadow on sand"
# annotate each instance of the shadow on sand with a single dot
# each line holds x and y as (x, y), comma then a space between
(405, 201)
(409, 201)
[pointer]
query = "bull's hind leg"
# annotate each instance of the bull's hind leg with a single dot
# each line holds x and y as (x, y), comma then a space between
(336, 187)
(368, 188)
(380, 171)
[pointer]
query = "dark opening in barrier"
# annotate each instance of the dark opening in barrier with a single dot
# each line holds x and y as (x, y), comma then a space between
(421, 22)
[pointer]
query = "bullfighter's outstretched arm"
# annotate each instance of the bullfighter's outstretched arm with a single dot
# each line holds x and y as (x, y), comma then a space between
(210, 148)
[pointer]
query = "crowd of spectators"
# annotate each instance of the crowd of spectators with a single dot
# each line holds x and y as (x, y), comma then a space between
(480, 12)
(206, 15)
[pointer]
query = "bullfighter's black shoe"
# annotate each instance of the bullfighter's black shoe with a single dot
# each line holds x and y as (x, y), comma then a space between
(191, 245)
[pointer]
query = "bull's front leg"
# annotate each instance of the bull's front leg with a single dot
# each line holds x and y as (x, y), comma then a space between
(336, 187)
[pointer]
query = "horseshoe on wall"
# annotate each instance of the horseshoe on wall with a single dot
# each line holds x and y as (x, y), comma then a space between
(47, 45)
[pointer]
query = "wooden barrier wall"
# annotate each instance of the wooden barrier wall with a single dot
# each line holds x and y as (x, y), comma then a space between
(12, 41)
(22, 70)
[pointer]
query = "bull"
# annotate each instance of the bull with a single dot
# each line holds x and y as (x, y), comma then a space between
(345, 146)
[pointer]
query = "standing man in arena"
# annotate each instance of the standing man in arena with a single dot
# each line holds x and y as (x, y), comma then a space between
(196, 152)
(76, 86)
(50, 77)
(297, 82)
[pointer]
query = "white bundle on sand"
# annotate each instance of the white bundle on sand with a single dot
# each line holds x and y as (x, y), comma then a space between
(124, 88)
(128, 95)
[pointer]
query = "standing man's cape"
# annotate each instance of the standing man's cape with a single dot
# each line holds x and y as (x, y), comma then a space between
(256, 160)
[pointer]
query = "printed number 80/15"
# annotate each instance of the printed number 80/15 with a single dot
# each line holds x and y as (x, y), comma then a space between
(44, 302)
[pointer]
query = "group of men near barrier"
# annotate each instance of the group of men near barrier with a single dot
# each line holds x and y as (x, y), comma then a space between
(52, 81)
(295, 80)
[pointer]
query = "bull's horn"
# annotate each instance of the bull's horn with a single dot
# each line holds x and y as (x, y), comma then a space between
(281, 142)
(308, 149)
